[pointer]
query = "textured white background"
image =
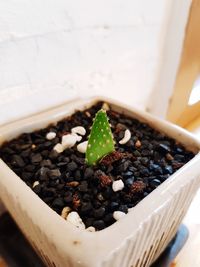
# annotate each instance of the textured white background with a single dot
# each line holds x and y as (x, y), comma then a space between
(50, 49)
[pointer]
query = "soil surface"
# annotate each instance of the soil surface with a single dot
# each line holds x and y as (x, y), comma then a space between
(64, 179)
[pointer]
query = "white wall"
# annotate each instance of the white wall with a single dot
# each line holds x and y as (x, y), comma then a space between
(111, 47)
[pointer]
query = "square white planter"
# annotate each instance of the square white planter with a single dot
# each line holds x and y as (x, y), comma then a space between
(136, 240)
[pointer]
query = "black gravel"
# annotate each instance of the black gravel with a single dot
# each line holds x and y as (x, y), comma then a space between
(143, 163)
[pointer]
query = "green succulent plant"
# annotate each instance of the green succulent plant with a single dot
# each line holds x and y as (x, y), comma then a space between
(100, 141)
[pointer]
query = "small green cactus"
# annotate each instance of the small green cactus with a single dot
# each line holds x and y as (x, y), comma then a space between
(100, 141)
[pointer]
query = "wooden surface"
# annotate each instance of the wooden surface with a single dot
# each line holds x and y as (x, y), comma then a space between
(179, 111)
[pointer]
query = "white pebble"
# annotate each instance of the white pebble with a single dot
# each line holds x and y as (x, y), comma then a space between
(126, 138)
(69, 140)
(79, 130)
(117, 215)
(74, 218)
(78, 137)
(50, 136)
(65, 212)
(90, 229)
(117, 185)
(58, 148)
(36, 183)
(82, 147)
(105, 106)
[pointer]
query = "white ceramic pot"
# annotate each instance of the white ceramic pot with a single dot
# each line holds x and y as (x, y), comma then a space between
(135, 240)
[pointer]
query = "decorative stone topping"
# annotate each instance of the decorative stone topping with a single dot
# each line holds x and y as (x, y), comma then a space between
(126, 138)
(78, 130)
(117, 215)
(74, 218)
(78, 137)
(117, 185)
(105, 106)
(82, 147)
(68, 140)
(58, 148)
(50, 136)
(138, 144)
(91, 229)
(36, 183)
(65, 212)
(87, 113)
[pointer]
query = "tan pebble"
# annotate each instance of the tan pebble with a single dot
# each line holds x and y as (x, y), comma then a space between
(90, 229)
(105, 106)
(33, 146)
(74, 218)
(65, 212)
(73, 184)
(138, 144)
(169, 156)
(88, 114)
